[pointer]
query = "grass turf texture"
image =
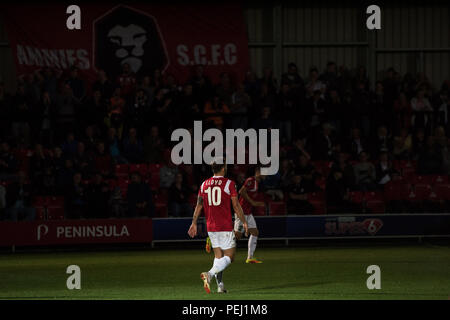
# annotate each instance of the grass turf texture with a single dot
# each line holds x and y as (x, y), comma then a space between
(407, 272)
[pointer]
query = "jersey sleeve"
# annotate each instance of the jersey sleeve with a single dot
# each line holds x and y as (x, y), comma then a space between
(233, 191)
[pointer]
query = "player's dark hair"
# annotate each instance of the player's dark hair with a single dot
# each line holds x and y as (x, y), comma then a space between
(216, 165)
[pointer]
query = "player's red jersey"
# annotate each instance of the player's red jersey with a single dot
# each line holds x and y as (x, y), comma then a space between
(216, 193)
(251, 186)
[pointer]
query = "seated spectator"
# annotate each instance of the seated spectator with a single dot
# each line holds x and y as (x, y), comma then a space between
(422, 109)
(76, 201)
(102, 160)
(153, 146)
(240, 105)
(272, 186)
(82, 161)
(139, 196)
(337, 193)
(365, 174)
(430, 160)
(342, 164)
(65, 174)
(356, 143)
(179, 205)
(167, 173)
(97, 197)
(324, 144)
(116, 203)
(297, 202)
(382, 141)
(384, 169)
(402, 145)
(307, 171)
(18, 200)
(8, 163)
(215, 110)
(113, 146)
(132, 147)
(286, 173)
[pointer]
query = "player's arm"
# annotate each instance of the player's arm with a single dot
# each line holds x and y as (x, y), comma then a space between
(243, 193)
(198, 209)
(240, 214)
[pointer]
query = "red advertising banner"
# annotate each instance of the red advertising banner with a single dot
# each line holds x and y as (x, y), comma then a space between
(60, 232)
(171, 38)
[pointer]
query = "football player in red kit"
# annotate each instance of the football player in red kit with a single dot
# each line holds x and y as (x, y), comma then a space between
(216, 196)
(248, 194)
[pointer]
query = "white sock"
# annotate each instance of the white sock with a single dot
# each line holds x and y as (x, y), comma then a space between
(219, 279)
(219, 265)
(251, 246)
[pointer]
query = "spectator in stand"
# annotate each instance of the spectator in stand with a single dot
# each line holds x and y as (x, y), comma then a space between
(403, 111)
(402, 145)
(240, 105)
(361, 78)
(307, 171)
(93, 110)
(335, 111)
(384, 170)
(114, 148)
(39, 162)
(330, 77)
(297, 202)
(215, 111)
(430, 159)
(65, 174)
(286, 173)
(139, 196)
(268, 81)
(285, 110)
(316, 111)
(324, 144)
(65, 111)
(225, 89)
(188, 108)
(132, 147)
(337, 193)
(391, 86)
(127, 81)
(76, 84)
(315, 84)
(365, 174)
(18, 199)
(82, 161)
(382, 141)
(361, 105)
(167, 173)
(97, 197)
(103, 84)
(153, 146)
(76, 202)
(422, 109)
(201, 85)
(20, 115)
(45, 119)
(8, 163)
(117, 102)
(272, 186)
(69, 146)
(265, 120)
(419, 143)
(357, 143)
(102, 161)
(137, 110)
(348, 173)
(441, 105)
(295, 82)
(179, 193)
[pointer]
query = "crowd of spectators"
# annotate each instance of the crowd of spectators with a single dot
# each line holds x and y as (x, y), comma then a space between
(61, 136)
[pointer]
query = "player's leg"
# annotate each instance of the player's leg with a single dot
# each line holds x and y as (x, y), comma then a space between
(252, 239)
(238, 228)
(221, 242)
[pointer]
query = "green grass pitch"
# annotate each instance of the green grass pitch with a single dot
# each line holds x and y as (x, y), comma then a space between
(407, 272)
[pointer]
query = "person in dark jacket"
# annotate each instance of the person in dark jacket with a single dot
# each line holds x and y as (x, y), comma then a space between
(179, 198)
(139, 195)
(18, 200)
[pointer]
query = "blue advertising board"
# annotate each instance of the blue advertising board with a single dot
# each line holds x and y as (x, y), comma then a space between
(323, 226)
